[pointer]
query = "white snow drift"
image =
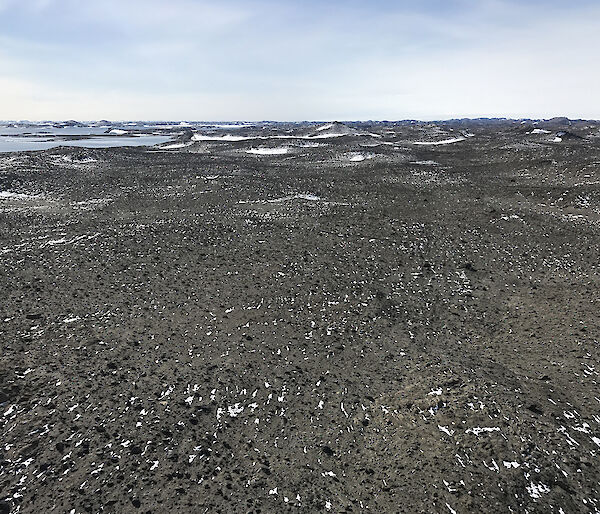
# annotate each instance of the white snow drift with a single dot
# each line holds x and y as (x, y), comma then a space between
(444, 142)
(268, 151)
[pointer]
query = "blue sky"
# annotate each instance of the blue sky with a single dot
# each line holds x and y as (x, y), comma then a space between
(296, 60)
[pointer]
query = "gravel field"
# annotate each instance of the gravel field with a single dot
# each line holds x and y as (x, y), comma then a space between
(385, 317)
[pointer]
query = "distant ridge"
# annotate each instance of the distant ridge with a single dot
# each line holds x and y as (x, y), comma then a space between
(335, 128)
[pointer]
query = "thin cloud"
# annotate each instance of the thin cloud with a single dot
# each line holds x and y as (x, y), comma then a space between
(196, 59)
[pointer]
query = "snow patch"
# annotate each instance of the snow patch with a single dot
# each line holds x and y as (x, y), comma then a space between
(358, 157)
(325, 136)
(482, 430)
(302, 196)
(9, 195)
(446, 430)
(235, 410)
(444, 142)
(268, 151)
(226, 137)
(425, 163)
(536, 490)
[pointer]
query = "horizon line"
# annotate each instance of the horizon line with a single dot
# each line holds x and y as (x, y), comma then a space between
(340, 120)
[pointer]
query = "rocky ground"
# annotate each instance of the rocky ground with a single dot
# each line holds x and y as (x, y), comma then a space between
(338, 320)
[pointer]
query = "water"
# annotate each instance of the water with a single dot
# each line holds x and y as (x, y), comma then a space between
(24, 144)
(49, 130)
(31, 136)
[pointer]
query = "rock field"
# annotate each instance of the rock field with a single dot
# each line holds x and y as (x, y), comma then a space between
(302, 318)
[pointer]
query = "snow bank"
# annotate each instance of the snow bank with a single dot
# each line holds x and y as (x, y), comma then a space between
(302, 196)
(325, 127)
(425, 163)
(325, 136)
(9, 195)
(226, 137)
(444, 142)
(358, 157)
(268, 151)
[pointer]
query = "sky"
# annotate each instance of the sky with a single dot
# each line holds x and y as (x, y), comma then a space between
(298, 59)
